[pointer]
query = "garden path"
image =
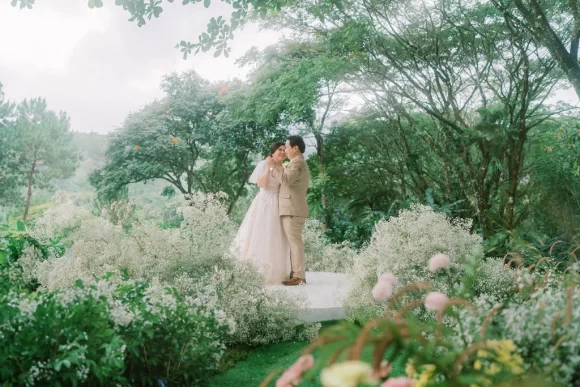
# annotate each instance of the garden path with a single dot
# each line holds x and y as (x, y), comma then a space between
(324, 292)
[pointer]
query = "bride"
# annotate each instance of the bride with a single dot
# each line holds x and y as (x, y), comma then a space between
(261, 239)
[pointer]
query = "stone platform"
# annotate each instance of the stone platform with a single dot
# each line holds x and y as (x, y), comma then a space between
(324, 292)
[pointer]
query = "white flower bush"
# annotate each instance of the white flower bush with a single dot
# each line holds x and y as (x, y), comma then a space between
(494, 279)
(403, 246)
(100, 332)
(546, 336)
(262, 316)
(542, 320)
(57, 220)
(194, 258)
(323, 256)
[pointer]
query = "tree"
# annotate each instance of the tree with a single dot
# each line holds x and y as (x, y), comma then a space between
(297, 84)
(554, 24)
(480, 81)
(195, 139)
(554, 178)
(44, 141)
(10, 163)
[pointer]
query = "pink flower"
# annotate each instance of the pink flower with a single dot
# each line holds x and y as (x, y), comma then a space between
(388, 277)
(384, 287)
(398, 382)
(383, 371)
(382, 290)
(436, 301)
(439, 261)
(305, 362)
(291, 377)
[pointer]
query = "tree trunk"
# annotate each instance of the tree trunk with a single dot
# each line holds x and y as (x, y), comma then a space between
(189, 182)
(320, 154)
(545, 34)
(29, 195)
(238, 194)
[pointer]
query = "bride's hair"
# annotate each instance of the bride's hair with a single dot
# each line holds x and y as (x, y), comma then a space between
(274, 147)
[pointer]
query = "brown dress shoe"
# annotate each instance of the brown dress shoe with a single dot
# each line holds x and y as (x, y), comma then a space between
(289, 277)
(294, 281)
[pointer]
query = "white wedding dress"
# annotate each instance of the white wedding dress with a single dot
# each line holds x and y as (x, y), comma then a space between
(261, 239)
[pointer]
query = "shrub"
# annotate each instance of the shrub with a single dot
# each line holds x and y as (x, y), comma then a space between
(168, 336)
(19, 249)
(546, 337)
(58, 220)
(193, 257)
(493, 279)
(542, 323)
(262, 315)
(541, 317)
(98, 245)
(106, 334)
(323, 256)
(403, 245)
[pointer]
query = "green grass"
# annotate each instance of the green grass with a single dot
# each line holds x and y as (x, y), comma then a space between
(258, 363)
(249, 367)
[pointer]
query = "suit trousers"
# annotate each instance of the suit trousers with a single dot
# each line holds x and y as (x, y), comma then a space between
(293, 226)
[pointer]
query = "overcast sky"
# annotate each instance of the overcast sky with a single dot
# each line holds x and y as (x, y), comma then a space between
(96, 65)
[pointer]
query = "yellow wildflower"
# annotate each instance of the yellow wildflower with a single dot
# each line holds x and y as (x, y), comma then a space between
(347, 374)
(410, 369)
(493, 369)
(424, 377)
(482, 353)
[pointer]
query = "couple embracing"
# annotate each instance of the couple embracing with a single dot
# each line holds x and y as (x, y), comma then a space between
(271, 234)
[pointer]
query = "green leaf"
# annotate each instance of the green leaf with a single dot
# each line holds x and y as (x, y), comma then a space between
(217, 53)
(157, 11)
(91, 3)
(20, 226)
(206, 3)
(3, 257)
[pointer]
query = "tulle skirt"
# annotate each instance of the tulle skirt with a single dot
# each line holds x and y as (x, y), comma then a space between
(261, 239)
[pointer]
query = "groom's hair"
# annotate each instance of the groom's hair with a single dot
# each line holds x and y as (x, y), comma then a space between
(274, 147)
(297, 141)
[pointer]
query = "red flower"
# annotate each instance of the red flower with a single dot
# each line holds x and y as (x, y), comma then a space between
(174, 140)
(223, 90)
(137, 146)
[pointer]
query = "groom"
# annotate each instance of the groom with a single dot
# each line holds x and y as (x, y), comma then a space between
(294, 180)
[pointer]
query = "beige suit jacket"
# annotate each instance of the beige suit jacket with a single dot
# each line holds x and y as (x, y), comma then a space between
(294, 180)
